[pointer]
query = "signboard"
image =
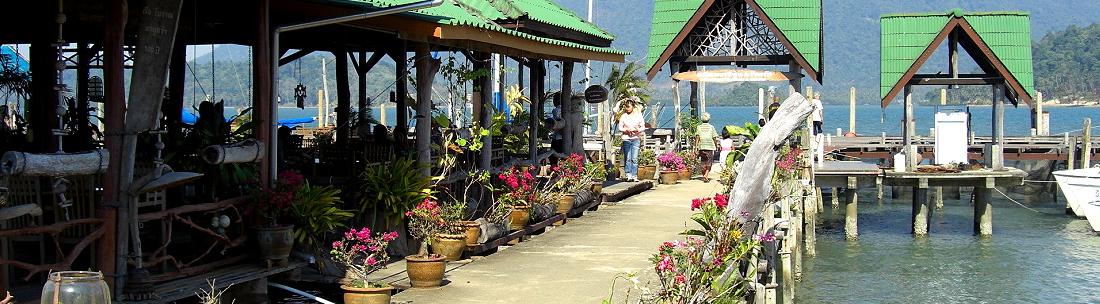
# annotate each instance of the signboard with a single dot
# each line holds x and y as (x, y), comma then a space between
(595, 94)
(156, 35)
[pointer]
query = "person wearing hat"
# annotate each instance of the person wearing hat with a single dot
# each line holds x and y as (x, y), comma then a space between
(706, 139)
(632, 125)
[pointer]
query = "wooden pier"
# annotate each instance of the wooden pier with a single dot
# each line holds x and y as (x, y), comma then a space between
(1015, 147)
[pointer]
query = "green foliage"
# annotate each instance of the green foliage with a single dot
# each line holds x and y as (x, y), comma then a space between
(749, 131)
(626, 82)
(1067, 63)
(317, 213)
(596, 170)
(688, 124)
(393, 188)
(647, 157)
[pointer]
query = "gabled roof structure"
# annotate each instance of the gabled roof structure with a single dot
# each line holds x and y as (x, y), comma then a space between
(999, 42)
(797, 25)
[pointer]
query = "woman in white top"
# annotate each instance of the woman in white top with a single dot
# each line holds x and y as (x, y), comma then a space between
(726, 146)
(631, 124)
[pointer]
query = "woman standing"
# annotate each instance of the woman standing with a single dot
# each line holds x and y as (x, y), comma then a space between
(631, 124)
(706, 138)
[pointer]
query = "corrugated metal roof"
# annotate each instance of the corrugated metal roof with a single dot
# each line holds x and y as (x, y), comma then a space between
(800, 21)
(549, 12)
(906, 36)
(452, 13)
(669, 18)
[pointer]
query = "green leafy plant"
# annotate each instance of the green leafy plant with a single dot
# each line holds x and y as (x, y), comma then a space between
(596, 171)
(749, 131)
(317, 213)
(688, 125)
(647, 157)
(395, 188)
(627, 82)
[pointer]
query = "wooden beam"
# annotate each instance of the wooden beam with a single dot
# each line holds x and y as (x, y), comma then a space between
(294, 56)
(343, 98)
(737, 60)
(956, 81)
(401, 127)
(115, 111)
(370, 63)
(485, 112)
(262, 75)
(480, 40)
(570, 111)
(931, 48)
(364, 104)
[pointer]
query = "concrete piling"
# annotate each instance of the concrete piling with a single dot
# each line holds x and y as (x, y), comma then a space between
(983, 211)
(937, 197)
(921, 212)
(851, 210)
(835, 198)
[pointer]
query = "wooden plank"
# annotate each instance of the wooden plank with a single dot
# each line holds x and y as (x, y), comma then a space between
(158, 23)
(622, 190)
(186, 288)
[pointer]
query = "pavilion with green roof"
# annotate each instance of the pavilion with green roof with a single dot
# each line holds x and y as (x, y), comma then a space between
(999, 42)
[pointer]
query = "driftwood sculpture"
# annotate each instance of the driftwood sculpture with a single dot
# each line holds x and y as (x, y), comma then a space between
(753, 185)
(247, 151)
(63, 164)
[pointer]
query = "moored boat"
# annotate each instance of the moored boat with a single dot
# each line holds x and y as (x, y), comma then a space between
(1081, 188)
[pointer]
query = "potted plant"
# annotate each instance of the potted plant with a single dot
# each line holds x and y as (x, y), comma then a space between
(568, 177)
(316, 214)
(518, 195)
(598, 174)
(275, 235)
(647, 164)
(361, 253)
(451, 239)
(691, 163)
(425, 222)
(671, 164)
(389, 191)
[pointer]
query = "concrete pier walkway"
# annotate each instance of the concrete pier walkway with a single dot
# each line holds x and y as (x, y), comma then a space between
(574, 263)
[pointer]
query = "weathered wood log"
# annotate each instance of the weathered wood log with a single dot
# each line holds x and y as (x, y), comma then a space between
(247, 151)
(21, 210)
(60, 164)
(753, 185)
(145, 217)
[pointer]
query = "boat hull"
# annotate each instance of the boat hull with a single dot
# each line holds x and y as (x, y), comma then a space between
(1070, 183)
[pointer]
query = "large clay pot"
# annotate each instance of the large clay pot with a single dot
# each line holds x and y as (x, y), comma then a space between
(450, 246)
(354, 295)
(471, 229)
(685, 174)
(275, 243)
(646, 172)
(76, 287)
(565, 204)
(518, 217)
(669, 177)
(425, 271)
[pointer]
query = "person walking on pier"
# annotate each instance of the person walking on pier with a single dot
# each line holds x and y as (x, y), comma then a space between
(631, 124)
(706, 138)
(818, 113)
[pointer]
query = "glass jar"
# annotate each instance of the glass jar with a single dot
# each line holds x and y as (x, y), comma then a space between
(75, 287)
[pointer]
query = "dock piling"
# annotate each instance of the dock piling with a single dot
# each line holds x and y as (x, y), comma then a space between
(1086, 144)
(921, 212)
(1071, 156)
(809, 233)
(983, 210)
(878, 188)
(851, 210)
(835, 200)
(937, 196)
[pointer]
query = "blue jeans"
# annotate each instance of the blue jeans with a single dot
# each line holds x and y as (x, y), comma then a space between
(630, 157)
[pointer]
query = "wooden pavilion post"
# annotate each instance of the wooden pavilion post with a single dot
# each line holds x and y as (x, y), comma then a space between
(343, 98)
(569, 111)
(401, 127)
(83, 136)
(425, 73)
(363, 104)
(44, 94)
(997, 150)
(693, 100)
(115, 100)
(485, 114)
(909, 127)
(536, 109)
(262, 67)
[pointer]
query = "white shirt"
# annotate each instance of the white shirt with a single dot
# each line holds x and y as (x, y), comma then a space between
(818, 112)
(631, 123)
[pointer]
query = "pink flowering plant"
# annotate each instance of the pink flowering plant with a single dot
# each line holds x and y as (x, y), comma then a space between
(566, 178)
(670, 161)
(790, 160)
(362, 253)
(425, 221)
(519, 188)
(695, 270)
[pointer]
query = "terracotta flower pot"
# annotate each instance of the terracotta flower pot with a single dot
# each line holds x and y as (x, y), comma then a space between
(565, 204)
(425, 271)
(355, 295)
(646, 172)
(518, 217)
(597, 188)
(685, 174)
(471, 229)
(669, 177)
(450, 246)
(275, 243)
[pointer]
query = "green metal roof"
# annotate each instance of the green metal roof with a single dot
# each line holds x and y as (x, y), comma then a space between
(549, 12)
(669, 18)
(800, 21)
(473, 13)
(906, 36)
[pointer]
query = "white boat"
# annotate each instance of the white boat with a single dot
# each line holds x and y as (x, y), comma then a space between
(1081, 188)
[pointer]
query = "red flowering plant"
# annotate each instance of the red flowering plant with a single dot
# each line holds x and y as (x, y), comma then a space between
(362, 253)
(694, 270)
(519, 188)
(425, 221)
(566, 178)
(271, 205)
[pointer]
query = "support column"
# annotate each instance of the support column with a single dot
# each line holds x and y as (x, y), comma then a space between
(851, 210)
(574, 107)
(1040, 121)
(809, 224)
(536, 109)
(878, 188)
(921, 212)
(565, 97)
(43, 109)
(401, 127)
(485, 115)
(425, 74)
(851, 113)
(263, 66)
(82, 139)
(343, 98)
(114, 112)
(835, 198)
(796, 83)
(177, 69)
(693, 99)
(909, 122)
(997, 151)
(983, 211)
(937, 197)
(1086, 145)
(363, 104)
(676, 104)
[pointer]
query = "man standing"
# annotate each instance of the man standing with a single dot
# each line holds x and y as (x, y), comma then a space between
(818, 113)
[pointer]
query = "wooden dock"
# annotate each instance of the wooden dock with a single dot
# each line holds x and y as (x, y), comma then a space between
(1015, 148)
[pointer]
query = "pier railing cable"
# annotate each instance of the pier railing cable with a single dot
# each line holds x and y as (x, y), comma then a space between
(1024, 206)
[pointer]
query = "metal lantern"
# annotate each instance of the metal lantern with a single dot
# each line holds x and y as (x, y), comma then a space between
(95, 89)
